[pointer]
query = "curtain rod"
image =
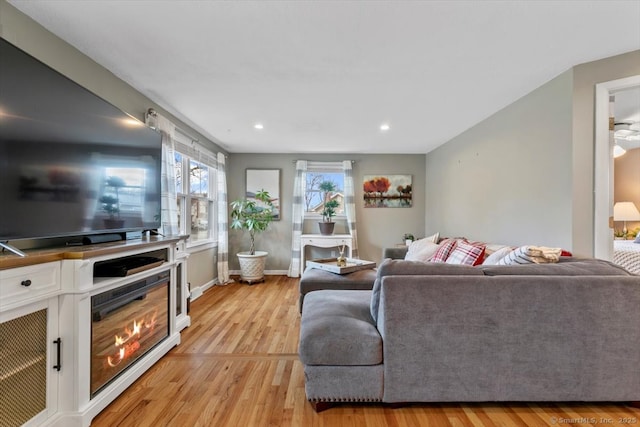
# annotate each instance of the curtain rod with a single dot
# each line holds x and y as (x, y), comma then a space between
(324, 161)
(151, 118)
(185, 133)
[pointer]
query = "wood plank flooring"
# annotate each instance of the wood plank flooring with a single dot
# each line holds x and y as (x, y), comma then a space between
(237, 366)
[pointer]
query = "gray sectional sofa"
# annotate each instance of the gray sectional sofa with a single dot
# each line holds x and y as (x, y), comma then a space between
(427, 332)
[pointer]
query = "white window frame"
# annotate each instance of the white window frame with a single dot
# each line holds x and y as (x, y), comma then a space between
(324, 167)
(184, 193)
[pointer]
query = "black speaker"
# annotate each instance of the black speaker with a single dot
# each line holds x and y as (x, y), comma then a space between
(101, 238)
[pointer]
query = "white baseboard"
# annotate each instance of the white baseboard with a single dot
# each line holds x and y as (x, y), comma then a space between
(197, 292)
(266, 272)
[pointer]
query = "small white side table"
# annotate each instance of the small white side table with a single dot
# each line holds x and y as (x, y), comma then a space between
(322, 241)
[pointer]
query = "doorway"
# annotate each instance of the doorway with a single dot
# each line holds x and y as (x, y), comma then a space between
(603, 174)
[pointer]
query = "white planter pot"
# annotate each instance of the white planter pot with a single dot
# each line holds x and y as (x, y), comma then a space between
(252, 266)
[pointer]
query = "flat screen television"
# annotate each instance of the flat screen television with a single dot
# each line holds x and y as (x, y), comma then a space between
(71, 164)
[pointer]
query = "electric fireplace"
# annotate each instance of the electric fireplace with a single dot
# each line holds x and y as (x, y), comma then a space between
(126, 323)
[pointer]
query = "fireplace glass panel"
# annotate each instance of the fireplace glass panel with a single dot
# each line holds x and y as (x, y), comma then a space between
(127, 322)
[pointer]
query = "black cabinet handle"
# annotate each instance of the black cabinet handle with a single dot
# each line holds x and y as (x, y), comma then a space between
(26, 283)
(58, 365)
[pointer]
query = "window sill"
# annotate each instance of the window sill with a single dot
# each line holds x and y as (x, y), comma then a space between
(315, 217)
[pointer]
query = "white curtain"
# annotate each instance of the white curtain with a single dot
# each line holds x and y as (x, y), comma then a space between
(297, 217)
(168, 194)
(223, 223)
(350, 206)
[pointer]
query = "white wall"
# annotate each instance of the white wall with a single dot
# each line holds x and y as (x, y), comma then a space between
(506, 179)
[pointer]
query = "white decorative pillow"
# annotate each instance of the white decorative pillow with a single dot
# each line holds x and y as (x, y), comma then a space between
(422, 252)
(493, 247)
(530, 255)
(496, 256)
(433, 238)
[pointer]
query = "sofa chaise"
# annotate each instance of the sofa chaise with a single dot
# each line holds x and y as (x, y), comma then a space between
(568, 331)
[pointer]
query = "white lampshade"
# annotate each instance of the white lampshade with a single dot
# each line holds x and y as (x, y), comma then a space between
(625, 211)
(618, 151)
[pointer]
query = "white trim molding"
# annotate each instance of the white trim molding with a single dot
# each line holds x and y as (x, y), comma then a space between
(603, 168)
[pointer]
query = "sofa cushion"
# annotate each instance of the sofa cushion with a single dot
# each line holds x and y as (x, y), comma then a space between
(396, 252)
(568, 266)
(336, 329)
(314, 279)
(395, 267)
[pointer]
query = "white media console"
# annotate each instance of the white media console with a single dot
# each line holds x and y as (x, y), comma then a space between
(53, 332)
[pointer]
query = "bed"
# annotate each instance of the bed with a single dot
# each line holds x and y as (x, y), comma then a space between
(627, 254)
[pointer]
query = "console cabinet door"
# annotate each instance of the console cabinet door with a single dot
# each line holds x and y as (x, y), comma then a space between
(28, 379)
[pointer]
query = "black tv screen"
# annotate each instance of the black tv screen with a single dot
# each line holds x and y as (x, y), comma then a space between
(71, 164)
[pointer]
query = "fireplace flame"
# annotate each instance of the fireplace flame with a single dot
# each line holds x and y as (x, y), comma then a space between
(121, 342)
(123, 353)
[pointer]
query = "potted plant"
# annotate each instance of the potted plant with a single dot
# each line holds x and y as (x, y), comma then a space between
(408, 238)
(247, 215)
(329, 206)
(111, 204)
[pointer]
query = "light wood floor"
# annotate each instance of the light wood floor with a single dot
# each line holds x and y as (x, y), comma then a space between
(237, 366)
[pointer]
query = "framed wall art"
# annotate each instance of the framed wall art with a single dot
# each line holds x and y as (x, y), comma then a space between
(387, 191)
(268, 180)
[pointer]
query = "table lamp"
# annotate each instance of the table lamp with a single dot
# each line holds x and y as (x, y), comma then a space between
(625, 211)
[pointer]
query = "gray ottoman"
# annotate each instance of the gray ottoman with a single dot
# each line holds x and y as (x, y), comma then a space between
(314, 279)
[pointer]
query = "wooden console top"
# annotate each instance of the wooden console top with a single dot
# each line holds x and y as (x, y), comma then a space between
(39, 256)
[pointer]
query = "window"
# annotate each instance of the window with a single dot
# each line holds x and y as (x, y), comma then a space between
(318, 173)
(196, 189)
(129, 196)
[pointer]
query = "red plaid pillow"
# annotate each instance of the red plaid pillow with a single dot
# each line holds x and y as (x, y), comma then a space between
(446, 247)
(467, 253)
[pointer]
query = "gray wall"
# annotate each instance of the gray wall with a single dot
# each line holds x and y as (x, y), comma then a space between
(377, 227)
(525, 175)
(202, 267)
(507, 179)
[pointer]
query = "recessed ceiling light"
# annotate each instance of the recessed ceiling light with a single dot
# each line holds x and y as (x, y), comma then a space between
(258, 126)
(385, 127)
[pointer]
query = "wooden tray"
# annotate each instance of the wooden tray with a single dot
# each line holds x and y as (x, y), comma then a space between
(331, 264)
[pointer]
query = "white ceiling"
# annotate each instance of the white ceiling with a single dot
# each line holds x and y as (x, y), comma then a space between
(323, 75)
